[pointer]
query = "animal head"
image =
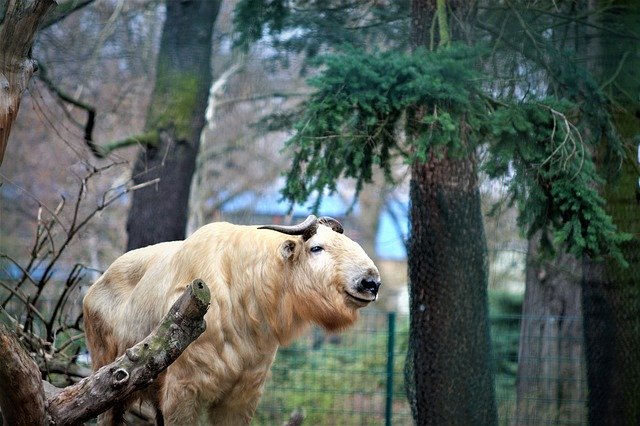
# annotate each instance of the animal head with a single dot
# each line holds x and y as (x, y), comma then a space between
(329, 275)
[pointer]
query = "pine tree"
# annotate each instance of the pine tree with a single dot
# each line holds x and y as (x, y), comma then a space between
(441, 93)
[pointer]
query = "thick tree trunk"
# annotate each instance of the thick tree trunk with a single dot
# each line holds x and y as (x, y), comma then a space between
(448, 369)
(551, 380)
(176, 116)
(19, 21)
(21, 392)
(611, 294)
(450, 352)
(611, 300)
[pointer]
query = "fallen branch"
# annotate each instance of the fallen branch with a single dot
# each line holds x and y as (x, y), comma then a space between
(111, 384)
(139, 366)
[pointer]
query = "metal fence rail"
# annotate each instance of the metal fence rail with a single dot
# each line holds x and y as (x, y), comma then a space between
(357, 377)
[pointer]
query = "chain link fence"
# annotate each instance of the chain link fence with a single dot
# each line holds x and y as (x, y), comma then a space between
(357, 378)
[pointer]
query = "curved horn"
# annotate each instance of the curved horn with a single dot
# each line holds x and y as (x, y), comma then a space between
(306, 228)
(331, 223)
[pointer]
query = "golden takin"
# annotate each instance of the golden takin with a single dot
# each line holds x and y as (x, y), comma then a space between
(267, 284)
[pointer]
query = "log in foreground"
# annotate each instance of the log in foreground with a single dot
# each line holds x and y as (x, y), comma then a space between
(139, 366)
(21, 392)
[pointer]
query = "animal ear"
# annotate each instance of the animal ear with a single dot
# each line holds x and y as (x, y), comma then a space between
(287, 249)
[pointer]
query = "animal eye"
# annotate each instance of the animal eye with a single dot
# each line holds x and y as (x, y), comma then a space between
(316, 249)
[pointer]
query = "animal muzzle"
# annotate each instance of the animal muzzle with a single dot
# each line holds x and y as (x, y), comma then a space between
(368, 286)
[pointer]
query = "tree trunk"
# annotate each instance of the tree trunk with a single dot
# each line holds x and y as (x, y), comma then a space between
(19, 21)
(175, 120)
(551, 380)
(448, 369)
(611, 294)
(450, 352)
(21, 392)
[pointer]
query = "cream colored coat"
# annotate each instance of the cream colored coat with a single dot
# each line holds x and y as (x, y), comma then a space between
(266, 287)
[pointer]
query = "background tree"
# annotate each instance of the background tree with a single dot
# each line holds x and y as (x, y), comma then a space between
(528, 39)
(449, 331)
(539, 144)
(174, 123)
(559, 40)
(611, 294)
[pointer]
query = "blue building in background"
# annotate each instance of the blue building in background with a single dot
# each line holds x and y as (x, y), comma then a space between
(390, 239)
(393, 225)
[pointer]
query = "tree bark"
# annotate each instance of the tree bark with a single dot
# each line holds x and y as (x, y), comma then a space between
(611, 293)
(551, 380)
(450, 346)
(176, 116)
(448, 369)
(21, 390)
(19, 21)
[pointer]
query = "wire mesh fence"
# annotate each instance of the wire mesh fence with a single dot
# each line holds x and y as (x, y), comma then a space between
(353, 378)
(357, 378)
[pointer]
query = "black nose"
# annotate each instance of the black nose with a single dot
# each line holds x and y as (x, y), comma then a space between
(370, 285)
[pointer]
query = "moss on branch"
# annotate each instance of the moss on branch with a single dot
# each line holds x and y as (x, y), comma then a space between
(139, 366)
(151, 138)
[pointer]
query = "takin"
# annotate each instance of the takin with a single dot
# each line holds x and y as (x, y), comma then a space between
(267, 284)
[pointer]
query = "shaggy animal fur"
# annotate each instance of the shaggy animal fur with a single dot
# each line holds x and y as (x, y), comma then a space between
(266, 287)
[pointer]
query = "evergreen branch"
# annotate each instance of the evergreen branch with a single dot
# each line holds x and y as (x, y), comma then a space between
(534, 41)
(513, 46)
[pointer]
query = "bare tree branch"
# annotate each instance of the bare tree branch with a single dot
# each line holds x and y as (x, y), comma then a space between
(139, 366)
(22, 393)
(64, 96)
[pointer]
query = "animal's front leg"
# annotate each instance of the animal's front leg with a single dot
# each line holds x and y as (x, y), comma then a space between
(222, 417)
(180, 404)
(236, 410)
(112, 417)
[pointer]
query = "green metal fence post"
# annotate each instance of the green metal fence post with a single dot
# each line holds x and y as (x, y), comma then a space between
(388, 408)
